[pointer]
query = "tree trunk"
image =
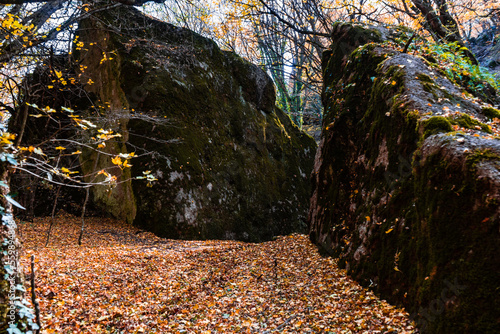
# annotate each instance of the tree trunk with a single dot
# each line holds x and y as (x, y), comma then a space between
(441, 24)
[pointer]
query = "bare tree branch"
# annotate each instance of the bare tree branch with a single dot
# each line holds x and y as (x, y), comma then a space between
(125, 2)
(290, 25)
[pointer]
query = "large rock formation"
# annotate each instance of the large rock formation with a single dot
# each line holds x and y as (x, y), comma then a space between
(407, 183)
(229, 163)
(486, 47)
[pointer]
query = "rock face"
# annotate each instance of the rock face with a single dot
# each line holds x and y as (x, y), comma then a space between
(486, 47)
(229, 163)
(407, 184)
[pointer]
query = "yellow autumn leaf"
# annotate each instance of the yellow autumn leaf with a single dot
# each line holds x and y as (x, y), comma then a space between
(67, 171)
(77, 152)
(5, 140)
(388, 231)
(117, 161)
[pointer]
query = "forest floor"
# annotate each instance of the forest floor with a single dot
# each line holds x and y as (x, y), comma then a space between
(122, 280)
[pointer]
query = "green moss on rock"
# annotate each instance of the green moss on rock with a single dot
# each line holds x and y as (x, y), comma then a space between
(490, 112)
(425, 78)
(431, 194)
(468, 122)
(482, 155)
(229, 164)
(436, 124)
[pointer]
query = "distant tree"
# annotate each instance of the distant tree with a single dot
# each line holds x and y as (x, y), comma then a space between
(287, 39)
(447, 21)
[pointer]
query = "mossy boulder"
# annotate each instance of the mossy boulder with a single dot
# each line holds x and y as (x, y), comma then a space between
(486, 47)
(229, 163)
(406, 185)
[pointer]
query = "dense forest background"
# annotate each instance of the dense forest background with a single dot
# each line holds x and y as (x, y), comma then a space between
(284, 37)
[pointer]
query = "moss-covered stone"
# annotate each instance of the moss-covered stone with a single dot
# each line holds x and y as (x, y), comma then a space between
(229, 163)
(435, 125)
(406, 184)
(491, 112)
(466, 121)
(481, 155)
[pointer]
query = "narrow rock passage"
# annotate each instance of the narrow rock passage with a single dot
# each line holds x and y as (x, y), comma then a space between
(122, 281)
